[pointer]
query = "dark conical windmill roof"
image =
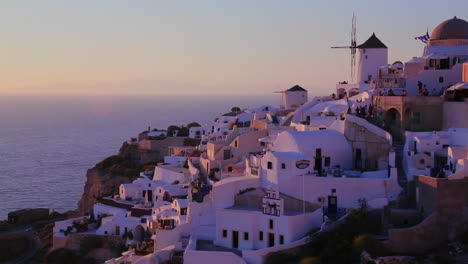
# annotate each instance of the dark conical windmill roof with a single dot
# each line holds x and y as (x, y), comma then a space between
(296, 88)
(372, 43)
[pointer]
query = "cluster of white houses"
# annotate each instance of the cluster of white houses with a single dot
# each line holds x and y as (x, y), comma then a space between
(267, 176)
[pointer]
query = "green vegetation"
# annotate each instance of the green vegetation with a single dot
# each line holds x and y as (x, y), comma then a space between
(184, 131)
(121, 165)
(128, 235)
(212, 174)
(338, 246)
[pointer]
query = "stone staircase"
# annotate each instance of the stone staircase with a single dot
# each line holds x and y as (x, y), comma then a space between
(402, 179)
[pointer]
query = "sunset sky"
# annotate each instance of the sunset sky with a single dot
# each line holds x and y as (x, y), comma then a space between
(192, 47)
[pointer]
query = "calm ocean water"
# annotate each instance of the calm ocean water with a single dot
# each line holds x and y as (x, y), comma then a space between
(48, 143)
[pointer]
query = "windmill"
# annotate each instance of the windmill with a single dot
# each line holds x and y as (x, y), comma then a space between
(352, 47)
(282, 99)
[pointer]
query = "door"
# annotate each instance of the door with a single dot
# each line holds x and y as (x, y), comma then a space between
(235, 239)
(150, 195)
(358, 161)
(117, 230)
(318, 160)
(332, 204)
(271, 239)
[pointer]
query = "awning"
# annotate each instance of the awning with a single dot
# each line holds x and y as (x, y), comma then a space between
(458, 86)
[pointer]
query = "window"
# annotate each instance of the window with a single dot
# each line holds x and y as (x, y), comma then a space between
(281, 240)
(271, 223)
(246, 235)
(270, 165)
(260, 236)
(283, 165)
(327, 161)
(235, 144)
(441, 79)
(224, 233)
(262, 144)
(416, 117)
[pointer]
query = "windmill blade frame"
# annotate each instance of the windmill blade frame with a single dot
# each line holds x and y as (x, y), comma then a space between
(352, 47)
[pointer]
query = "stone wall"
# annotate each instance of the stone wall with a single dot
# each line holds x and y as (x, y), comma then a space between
(28, 216)
(454, 116)
(254, 199)
(430, 109)
(75, 240)
(449, 201)
(374, 148)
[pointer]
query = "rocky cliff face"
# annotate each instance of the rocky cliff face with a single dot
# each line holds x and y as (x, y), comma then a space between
(105, 178)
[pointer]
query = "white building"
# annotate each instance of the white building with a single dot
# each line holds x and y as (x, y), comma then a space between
(271, 224)
(439, 67)
(310, 165)
(426, 153)
(139, 190)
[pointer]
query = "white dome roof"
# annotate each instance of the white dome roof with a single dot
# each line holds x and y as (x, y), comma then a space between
(307, 141)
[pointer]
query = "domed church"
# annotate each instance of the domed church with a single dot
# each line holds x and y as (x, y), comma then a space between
(449, 37)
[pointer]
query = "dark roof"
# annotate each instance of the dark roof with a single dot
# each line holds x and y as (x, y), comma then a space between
(296, 88)
(372, 43)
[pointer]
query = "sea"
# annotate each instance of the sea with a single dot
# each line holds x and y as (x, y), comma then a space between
(47, 143)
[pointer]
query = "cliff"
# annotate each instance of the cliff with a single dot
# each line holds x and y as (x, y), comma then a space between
(105, 178)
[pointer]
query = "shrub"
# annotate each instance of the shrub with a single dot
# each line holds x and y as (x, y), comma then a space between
(128, 235)
(311, 260)
(80, 227)
(195, 153)
(368, 243)
(108, 162)
(193, 124)
(170, 130)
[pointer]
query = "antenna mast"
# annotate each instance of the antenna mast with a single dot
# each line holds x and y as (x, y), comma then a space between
(353, 47)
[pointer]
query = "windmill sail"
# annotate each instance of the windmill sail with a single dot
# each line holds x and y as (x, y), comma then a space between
(352, 47)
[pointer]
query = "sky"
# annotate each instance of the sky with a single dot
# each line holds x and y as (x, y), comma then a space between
(56, 47)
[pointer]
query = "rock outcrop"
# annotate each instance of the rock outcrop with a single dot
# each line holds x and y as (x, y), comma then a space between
(105, 178)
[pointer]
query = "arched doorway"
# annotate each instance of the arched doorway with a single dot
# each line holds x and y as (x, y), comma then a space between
(393, 123)
(138, 234)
